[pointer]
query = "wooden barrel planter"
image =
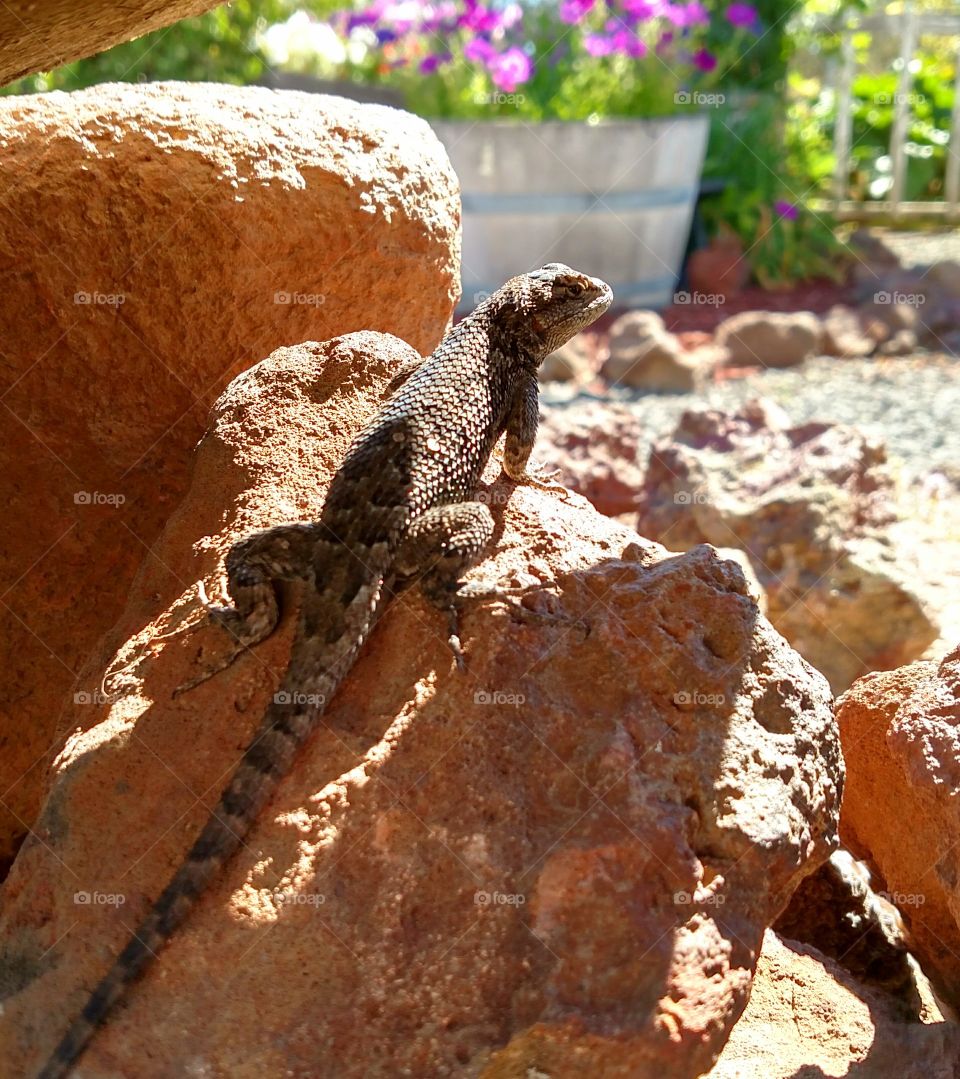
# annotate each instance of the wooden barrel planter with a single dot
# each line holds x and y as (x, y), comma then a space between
(614, 199)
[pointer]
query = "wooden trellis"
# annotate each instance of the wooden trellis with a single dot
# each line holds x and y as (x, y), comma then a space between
(908, 24)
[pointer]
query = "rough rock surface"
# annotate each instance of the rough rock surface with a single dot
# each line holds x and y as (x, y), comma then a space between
(808, 1017)
(769, 338)
(811, 505)
(594, 447)
(518, 869)
(837, 912)
(644, 355)
(40, 36)
(155, 240)
(845, 333)
(901, 739)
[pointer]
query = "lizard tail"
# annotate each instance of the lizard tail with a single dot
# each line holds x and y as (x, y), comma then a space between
(289, 720)
(286, 726)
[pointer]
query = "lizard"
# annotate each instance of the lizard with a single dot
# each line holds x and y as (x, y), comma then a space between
(400, 509)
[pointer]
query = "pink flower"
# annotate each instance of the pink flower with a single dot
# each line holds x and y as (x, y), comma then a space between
(479, 51)
(573, 11)
(598, 45)
(510, 69)
(627, 42)
(643, 9)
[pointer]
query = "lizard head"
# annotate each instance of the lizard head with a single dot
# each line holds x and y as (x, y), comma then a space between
(551, 304)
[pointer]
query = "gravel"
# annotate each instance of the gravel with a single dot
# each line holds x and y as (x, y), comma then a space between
(911, 404)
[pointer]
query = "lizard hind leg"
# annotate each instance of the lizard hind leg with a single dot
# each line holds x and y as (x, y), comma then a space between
(254, 565)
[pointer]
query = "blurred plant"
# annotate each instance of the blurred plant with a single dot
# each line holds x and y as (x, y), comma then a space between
(764, 197)
(572, 60)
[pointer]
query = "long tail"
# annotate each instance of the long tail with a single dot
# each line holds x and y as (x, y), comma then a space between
(289, 720)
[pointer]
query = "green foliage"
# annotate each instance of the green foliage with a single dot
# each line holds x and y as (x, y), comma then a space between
(747, 151)
(219, 46)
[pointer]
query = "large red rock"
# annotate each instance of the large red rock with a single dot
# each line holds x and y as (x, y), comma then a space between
(37, 35)
(812, 506)
(155, 240)
(808, 1016)
(564, 859)
(901, 740)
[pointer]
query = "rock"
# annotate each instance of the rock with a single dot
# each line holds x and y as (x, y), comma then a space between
(946, 274)
(156, 240)
(643, 355)
(768, 338)
(570, 363)
(844, 334)
(754, 587)
(900, 737)
(484, 874)
(594, 446)
(812, 507)
(837, 912)
(38, 37)
(720, 270)
(901, 343)
(872, 253)
(635, 328)
(894, 310)
(808, 1016)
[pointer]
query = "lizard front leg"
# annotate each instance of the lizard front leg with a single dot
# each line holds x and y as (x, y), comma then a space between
(440, 546)
(522, 423)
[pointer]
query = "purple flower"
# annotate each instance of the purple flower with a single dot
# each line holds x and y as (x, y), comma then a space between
(741, 15)
(510, 69)
(430, 63)
(572, 11)
(479, 51)
(666, 40)
(598, 45)
(684, 15)
(704, 60)
(627, 42)
(384, 37)
(643, 9)
(481, 19)
(786, 209)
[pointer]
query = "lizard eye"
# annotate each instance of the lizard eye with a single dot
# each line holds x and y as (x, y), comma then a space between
(575, 288)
